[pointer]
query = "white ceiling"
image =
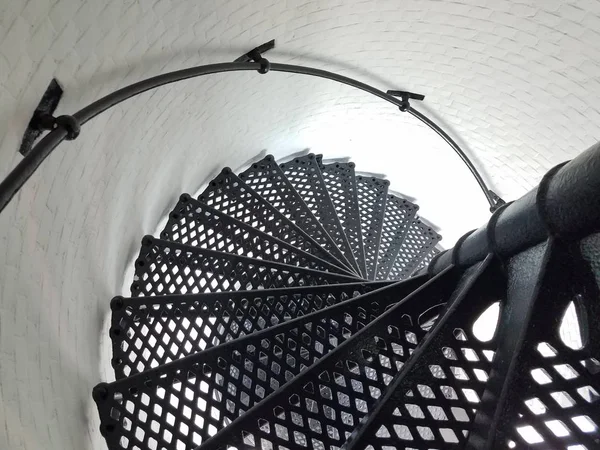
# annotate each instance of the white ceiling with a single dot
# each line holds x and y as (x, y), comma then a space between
(517, 84)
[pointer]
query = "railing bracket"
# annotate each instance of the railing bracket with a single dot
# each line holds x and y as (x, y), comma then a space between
(255, 55)
(498, 201)
(42, 119)
(406, 96)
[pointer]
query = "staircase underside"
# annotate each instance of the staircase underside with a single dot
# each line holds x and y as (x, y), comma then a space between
(286, 308)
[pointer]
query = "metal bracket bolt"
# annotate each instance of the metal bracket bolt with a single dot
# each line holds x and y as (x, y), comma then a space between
(256, 55)
(498, 201)
(405, 96)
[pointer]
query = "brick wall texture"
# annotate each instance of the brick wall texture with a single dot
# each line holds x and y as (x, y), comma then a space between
(516, 83)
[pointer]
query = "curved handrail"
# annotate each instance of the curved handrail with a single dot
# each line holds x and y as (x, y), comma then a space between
(28, 165)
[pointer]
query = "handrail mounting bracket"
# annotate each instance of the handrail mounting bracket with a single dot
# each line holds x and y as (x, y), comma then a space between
(42, 119)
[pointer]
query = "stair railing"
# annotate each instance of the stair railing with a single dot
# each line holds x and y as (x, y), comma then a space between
(67, 127)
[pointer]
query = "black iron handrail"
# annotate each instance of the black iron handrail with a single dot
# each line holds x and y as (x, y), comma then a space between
(565, 204)
(23, 171)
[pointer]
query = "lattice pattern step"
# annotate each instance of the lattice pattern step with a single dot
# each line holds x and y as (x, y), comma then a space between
(372, 195)
(229, 194)
(248, 328)
(341, 185)
(254, 320)
(194, 223)
(419, 241)
(191, 399)
(268, 180)
(428, 258)
(399, 215)
(165, 267)
(321, 407)
(433, 400)
(306, 177)
(149, 332)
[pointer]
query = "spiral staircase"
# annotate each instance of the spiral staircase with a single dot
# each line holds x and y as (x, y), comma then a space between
(304, 305)
(289, 307)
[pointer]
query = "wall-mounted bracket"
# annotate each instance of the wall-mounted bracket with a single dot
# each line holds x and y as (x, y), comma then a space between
(42, 119)
(406, 96)
(498, 201)
(67, 127)
(255, 55)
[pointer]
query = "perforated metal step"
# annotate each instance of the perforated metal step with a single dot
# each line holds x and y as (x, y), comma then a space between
(432, 401)
(418, 242)
(306, 177)
(372, 195)
(152, 331)
(268, 180)
(341, 186)
(230, 195)
(191, 399)
(321, 406)
(427, 259)
(165, 267)
(399, 215)
(194, 223)
(247, 327)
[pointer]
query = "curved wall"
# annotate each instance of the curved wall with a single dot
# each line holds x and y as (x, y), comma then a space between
(516, 83)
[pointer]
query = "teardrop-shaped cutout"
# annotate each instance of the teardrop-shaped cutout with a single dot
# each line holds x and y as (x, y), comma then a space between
(573, 327)
(428, 317)
(485, 326)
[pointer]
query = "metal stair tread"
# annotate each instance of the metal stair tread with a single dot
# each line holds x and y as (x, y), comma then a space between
(267, 179)
(162, 265)
(194, 223)
(398, 216)
(229, 194)
(305, 176)
(151, 331)
(340, 181)
(372, 196)
(184, 382)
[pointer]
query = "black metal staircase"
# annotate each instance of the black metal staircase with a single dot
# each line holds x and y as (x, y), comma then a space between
(267, 274)
(300, 305)
(303, 305)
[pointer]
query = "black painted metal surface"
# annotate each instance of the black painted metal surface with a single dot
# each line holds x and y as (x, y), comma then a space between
(268, 180)
(427, 259)
(164, 268)
(432, 401)
(501, 354)
(340, 181)
(192, 398)
(42, 117)
(194, 223)
(544, 386)
(20, 174)
(321, 407)
(419, 241)
(256, 53)
(570, 202)
(372, 195)
(398, 217)
(149, 332)
(306, 177)
(229, 194)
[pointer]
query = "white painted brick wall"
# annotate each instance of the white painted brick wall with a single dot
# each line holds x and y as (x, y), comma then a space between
(517, 83)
